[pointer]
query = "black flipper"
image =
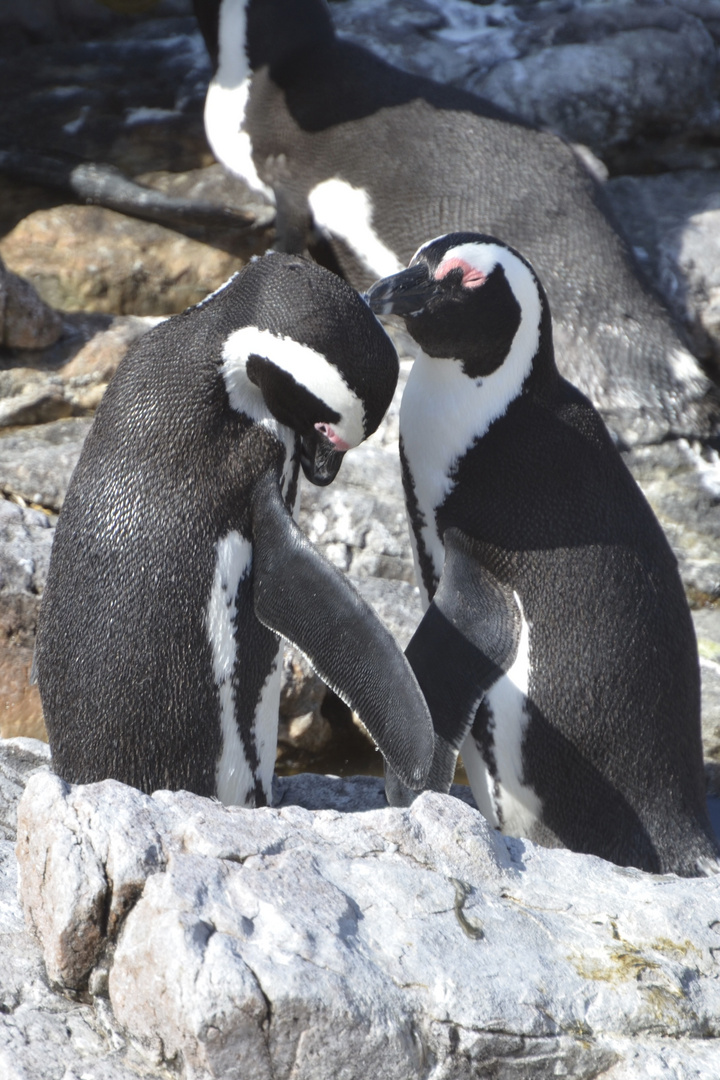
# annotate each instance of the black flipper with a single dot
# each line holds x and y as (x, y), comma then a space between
(301, 596)
(467, 639)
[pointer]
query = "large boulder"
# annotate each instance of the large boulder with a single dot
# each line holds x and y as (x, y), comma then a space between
(329, 937)
(673, 223)
(599, 73)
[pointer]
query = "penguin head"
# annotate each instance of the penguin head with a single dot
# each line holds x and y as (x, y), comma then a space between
(307, 351)
(472, 298)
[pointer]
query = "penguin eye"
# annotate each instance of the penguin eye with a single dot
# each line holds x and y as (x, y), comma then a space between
(459, 272)
(453, 279)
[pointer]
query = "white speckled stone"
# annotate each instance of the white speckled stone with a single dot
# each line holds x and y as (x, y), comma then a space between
(311, 944)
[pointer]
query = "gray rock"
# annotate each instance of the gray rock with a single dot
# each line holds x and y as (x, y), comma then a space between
(707, 628)
(596, 73)
(397, 603)
(19, 759)
(43, 1035)
(26, 539)
(602, 74)
(26, 321)
(88, 357)
(682, 484)
(690, 260)
(359, 523)
(673, 223)
(36, 464)
(322, 943)
(449, 40)
(52, 18)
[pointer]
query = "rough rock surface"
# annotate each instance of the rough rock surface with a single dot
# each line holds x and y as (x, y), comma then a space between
(44, 1035)
(88, 258)
(673, 223)
(603, 73)
(36, 463)
(26, 321)
(598, 73)
(311, 942)
(70, 379)
(25, 542)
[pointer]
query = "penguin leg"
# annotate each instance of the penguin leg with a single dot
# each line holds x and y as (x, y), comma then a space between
(467, 639)
(292, 223)
(300, 595)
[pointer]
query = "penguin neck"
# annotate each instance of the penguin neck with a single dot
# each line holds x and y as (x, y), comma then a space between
(443, 414)
(251, 34)
(246, 398)
(227, 96)
(280, 30)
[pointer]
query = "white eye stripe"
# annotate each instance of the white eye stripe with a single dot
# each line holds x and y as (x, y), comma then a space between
(307, 367)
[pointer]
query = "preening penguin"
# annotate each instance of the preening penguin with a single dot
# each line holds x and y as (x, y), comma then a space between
(557, 648)
(177, 562)
(365, 162)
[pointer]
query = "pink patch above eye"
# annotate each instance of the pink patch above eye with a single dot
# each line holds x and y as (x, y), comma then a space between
(332, 437)
(472, 277)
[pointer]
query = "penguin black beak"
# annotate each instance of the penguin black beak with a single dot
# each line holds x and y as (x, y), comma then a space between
(319, 459)
(406, 293)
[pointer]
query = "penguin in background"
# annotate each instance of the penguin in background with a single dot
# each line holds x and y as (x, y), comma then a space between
(177, 564)
(364, 162)
(557, 651)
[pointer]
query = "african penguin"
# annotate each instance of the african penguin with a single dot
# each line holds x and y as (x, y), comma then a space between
(364, 162)
(177, 562)
(557, 649)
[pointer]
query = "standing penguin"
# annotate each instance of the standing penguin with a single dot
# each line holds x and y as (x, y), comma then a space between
(371, 161)
(557, 649)
(177, 562)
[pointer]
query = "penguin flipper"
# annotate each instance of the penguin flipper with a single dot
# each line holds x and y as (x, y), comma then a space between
(467, 639)
(300, 595)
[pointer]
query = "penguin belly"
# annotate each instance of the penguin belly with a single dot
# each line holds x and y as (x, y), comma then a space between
(492, 752)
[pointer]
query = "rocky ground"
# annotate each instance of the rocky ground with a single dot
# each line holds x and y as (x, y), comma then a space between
(86, 91)
(333, 937)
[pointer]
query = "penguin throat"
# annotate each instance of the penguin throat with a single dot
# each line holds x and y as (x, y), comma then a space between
(442, 416)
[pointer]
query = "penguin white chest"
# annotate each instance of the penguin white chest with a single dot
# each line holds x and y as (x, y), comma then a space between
(441, 415)
(498, 782)
(234, 777)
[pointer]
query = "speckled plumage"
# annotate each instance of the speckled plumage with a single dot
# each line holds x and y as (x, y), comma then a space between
(557, 648)
(177, 563)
